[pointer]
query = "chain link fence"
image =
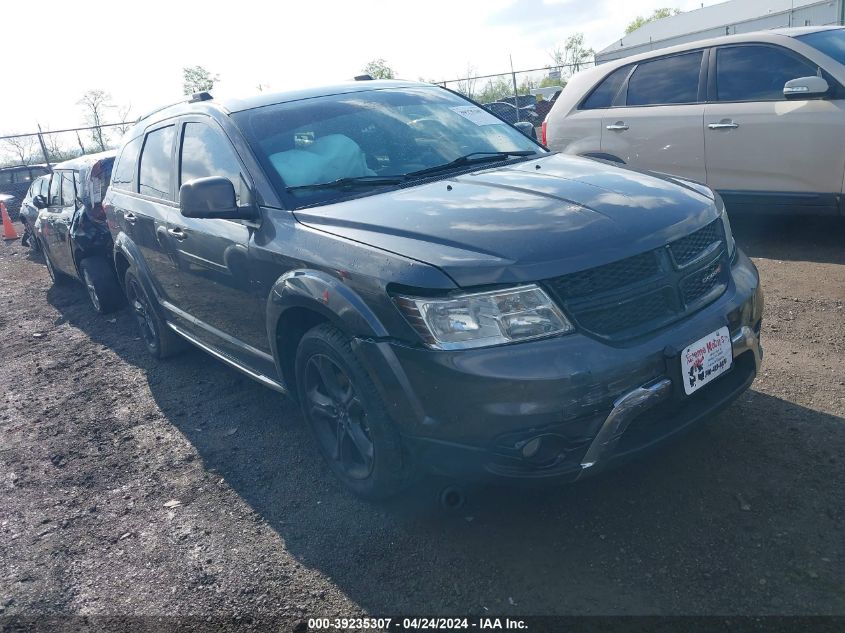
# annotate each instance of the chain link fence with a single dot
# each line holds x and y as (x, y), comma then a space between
(529, 93)
(28, 155)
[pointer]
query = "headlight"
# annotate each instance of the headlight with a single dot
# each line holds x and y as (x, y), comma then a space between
(485, 318)
(726, 223)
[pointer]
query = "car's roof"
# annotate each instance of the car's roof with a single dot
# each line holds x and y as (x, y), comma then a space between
(85, 161)
(269, 98)
(261, 99)
(773, 36)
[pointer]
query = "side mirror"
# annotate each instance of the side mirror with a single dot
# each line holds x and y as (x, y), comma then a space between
(805, 87)
(526, 128)
(212, 197)
(39, 202)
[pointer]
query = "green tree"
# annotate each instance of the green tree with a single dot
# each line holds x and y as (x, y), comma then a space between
(378, 69)
(197, 79)
(658, 14)
(573, 56)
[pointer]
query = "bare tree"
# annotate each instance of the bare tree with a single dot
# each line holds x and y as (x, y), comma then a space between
(22, 148)
(123, 115)
(197, 79)
(467, 86)
(95, 103)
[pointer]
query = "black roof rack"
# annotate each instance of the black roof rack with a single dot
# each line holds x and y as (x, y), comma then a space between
(363, 78)
(196, 97)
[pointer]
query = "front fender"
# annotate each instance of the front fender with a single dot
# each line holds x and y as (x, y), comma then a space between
(124, 245)
(326, 295)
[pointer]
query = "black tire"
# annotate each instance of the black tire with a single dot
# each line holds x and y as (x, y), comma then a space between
(100, 282)
(58, 278)
(347, 416)
(159, 339)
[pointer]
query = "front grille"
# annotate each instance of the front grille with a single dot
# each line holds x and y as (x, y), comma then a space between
(640, 294)
(610, 276)
(636, 310)
(688, 248)
(703, 281)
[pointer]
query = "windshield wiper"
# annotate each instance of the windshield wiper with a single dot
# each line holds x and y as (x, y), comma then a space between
(352, 181)
(470, 159)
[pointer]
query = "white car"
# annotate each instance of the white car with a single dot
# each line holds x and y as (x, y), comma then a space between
(758, 117)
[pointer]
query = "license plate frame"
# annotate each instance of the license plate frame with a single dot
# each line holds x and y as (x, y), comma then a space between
(706, 359)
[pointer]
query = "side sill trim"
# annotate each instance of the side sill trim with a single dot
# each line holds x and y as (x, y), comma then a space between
(264, 380)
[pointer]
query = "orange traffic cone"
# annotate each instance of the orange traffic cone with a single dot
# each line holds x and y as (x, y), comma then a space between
(9, 232)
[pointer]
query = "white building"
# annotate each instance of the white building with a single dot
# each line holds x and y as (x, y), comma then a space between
(727, 18)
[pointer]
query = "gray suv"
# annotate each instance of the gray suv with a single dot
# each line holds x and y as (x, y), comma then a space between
(438, 291)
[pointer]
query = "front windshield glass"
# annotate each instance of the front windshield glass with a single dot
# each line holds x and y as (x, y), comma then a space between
(375, 138)
(830, 42)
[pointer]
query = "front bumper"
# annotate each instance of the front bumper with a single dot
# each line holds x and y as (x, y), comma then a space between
(565, 407)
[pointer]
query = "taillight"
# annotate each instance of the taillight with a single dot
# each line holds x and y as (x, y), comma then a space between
(543, 133)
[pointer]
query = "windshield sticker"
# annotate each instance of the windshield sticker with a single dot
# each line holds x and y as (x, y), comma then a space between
(475, 114)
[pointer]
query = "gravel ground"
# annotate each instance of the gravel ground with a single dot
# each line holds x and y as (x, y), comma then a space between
(131, 487)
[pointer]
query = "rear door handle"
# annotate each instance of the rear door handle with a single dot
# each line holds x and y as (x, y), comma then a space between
(130, 217)
(178, 234)
(619, 125)
(724, 124)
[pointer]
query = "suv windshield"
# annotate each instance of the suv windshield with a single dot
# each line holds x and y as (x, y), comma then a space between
(831, 43)
(358, 142)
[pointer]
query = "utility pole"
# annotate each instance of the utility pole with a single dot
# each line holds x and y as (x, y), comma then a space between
(515, 95)
(44, 148)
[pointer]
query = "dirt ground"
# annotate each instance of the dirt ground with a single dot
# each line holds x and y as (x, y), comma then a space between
(133, 487)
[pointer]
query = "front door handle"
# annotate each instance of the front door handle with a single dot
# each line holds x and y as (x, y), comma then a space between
(178, 234)
(130, 217)
(724, 124)
(618, 126)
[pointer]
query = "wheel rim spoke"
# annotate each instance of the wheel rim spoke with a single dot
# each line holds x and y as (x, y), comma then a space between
(338, 417)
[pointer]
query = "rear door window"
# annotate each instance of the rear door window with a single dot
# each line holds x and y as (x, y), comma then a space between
(757, 73)
(669, 80)
(124, 173)
(603, 95)
(155, 175)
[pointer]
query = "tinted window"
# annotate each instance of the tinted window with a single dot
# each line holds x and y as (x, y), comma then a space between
(602, 96)
(668, 80)
(68, 190)
(831, 43)
(155, 174)
(756, 73)
(206, 152)
(5, 177)
(22, 175)
(55, 189)
(124, 173)
(387, 132)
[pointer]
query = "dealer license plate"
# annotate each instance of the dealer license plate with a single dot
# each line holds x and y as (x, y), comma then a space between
(706, 359)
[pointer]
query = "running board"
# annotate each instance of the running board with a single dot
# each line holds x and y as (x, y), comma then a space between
(264, 380)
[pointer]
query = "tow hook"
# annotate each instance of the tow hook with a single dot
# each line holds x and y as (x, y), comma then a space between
(452, 497)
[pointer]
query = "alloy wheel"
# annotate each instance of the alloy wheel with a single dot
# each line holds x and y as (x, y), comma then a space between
(338, 417)
(143, 313)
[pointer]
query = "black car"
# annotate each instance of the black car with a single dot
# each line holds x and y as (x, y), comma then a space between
(71, 228)
(437, 290)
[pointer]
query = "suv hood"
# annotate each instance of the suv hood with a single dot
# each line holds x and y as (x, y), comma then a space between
(522, 222)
